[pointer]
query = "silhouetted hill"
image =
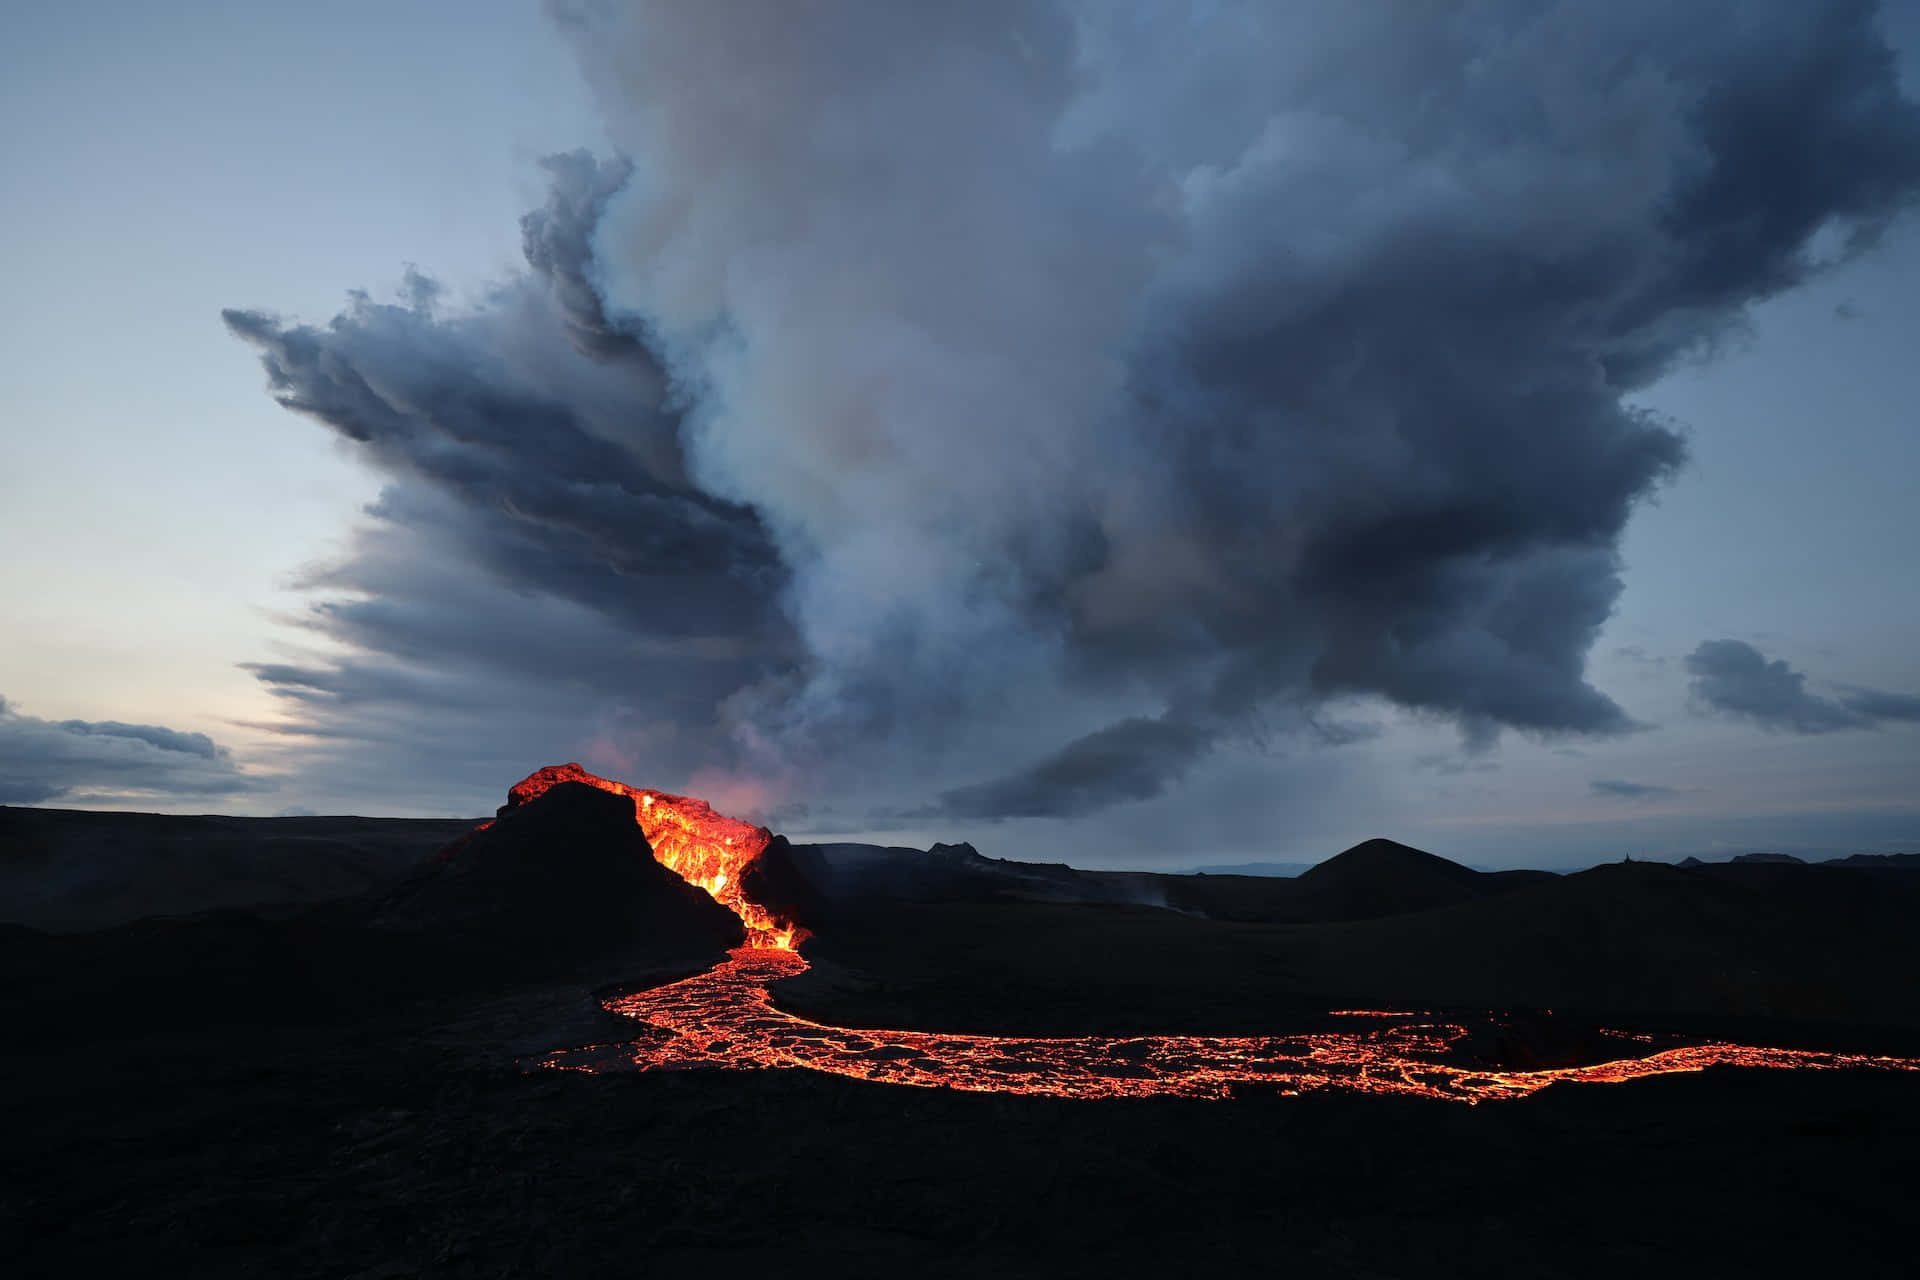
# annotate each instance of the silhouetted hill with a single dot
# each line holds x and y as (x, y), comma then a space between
(566, 877)
(1384, 877)
(1376, 877)
(565, 886)
(1877, 861)
(851, 872)
(1858, 861)
(847, 870)
(70, 869)
(1795, 947)
(1778, 940)
(1282, 869)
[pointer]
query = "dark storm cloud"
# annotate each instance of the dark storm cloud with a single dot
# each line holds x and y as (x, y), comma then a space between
(565, 503)
(1618, 790)
(539, 565)
(1454, 766)
(445, 669)
(557, 242)
(192, 744)
(1131, 760)
(1450, 371)
(1878, 704)
(106, 761)
(1086, 386)
(1733, 677)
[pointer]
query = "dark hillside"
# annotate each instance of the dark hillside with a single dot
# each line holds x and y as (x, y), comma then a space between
(1805, 944)
(71, 869)
(564, 886)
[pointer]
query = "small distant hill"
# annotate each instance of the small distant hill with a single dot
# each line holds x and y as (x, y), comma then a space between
(1385, 878)
(849, 870)
(1375, 878)
(1877, 861)
(1858, 861)
(1762, 939)
(1279, 869)
(1703, 947)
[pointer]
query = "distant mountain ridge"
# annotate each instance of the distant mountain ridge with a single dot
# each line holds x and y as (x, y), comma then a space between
(1280, 869)
(1377, 877)
(563, 888)
(1870, 861)
(1863, 861)
(77, 870)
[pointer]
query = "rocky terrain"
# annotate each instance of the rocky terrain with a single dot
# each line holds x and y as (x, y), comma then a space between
(343, 1088)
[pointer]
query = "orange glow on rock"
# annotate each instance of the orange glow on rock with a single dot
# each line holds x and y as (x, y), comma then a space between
(700, 846)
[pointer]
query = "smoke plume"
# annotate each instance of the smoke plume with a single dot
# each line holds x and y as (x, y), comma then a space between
(1008, 403)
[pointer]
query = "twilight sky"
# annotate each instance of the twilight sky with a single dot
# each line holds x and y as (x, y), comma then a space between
(1133, 435)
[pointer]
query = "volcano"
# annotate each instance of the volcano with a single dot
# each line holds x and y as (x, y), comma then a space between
(564, 873)
(740, 866)
(326, 1077)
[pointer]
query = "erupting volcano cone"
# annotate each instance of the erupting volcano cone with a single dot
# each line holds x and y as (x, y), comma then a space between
(719, 854)
(552, 883)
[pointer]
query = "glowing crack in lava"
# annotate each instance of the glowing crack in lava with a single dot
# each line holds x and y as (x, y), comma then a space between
(725, 1018)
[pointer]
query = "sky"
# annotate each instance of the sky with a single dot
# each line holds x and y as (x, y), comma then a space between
(1137, 435)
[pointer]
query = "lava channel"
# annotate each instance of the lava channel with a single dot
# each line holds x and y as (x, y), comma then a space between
(725, 1018)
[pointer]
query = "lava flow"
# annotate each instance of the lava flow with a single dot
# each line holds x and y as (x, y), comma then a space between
(725, 1018)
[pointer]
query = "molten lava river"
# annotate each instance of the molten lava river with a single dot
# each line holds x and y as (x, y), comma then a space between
(726, 1018)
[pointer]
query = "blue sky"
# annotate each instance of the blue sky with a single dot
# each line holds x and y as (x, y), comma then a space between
(166, 517)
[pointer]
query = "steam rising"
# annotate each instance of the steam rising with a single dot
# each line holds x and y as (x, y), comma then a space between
(1007, 403)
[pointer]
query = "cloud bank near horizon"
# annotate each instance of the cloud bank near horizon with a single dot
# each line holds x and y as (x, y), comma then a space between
(1013, 405)
(97, 762)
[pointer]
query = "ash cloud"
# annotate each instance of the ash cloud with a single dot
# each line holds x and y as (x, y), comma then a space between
(1131, 760)
(107, 762)
(556, 242)
(1878, 705)
(1077, 388)
(1616, 789)
(1734, 678)
(538, 577)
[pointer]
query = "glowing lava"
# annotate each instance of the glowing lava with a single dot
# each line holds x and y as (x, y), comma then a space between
(700, 846)
(725, 1018)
